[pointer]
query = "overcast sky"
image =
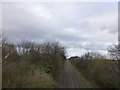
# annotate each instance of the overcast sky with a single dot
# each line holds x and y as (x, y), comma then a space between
(77, 26)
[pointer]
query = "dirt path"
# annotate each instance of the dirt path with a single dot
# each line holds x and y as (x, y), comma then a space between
(71, 79)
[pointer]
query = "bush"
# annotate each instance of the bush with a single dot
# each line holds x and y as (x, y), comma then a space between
(103, 72)
(26, 76)
(32, 65)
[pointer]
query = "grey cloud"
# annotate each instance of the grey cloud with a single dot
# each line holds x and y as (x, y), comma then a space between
(70, 23)
(110, 28)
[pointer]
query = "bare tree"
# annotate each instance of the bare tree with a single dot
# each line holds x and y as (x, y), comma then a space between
(114, 51)
(92, 56)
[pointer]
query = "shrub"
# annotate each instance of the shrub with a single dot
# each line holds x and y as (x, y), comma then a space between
(103, 72)
(32, 65)
(26, 76)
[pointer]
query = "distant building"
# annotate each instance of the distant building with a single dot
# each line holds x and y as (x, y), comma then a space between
(74, 58)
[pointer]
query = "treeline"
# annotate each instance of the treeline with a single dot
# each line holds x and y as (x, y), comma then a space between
(101, 72)
(32, 65)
